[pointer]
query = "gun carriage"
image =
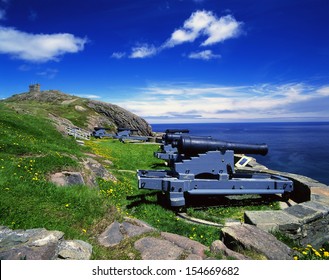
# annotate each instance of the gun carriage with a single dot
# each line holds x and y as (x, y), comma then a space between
(100, 132)
(122, 134)
(205, 166)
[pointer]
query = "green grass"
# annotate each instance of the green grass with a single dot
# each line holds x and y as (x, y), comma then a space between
(31, 149)
(23, 134)
(127, 156)
(226, 211)
(67, 111)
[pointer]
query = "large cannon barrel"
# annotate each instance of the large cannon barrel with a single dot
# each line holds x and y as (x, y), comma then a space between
(177, 130)
(192, 145)
(172, 138)
(172, 135)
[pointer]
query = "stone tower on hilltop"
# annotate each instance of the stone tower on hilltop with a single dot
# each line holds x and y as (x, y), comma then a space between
(34, 88)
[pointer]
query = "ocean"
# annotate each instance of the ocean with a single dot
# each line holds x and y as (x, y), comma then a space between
(300, 147)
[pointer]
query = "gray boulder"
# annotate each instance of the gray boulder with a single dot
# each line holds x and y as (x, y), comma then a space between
(40, 244)
(152, 248)
(252, 238)
(116, 232)
(218, 247)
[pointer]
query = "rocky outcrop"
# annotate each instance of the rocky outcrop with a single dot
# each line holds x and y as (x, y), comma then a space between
(152, 248)
(95, 113)
(116, 232)
(46, 96)
(120, 116)
(91, 170)
(170, 246)
(218, 247)
(305, 223)
(40, 244)
(252, 238)
(67, 178)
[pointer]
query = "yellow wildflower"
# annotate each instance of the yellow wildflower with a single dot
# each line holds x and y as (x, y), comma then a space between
(318, 254)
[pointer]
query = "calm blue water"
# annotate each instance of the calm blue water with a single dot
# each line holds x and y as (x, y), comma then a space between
(300, 148)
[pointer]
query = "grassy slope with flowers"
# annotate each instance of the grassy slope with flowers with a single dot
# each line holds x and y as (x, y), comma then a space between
(31, 149)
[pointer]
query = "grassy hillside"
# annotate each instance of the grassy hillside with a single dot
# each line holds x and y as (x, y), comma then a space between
(82, 112)
(31, 149)
(55, 102)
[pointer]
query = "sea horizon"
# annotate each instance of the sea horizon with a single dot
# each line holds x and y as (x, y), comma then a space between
(295, 147)
(232, 122)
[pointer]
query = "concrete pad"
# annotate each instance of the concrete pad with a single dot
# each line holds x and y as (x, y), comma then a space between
(303, 214)
(320, 194)
(271, 220)
(317, 206)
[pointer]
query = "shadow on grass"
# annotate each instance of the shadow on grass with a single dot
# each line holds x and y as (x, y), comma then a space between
(203, 202)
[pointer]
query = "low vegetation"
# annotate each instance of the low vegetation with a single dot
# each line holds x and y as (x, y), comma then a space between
(31, 149)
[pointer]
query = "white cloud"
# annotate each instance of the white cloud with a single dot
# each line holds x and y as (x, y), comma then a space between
(90, 96)
(212, 103)
(201, 24)
(143, 51)
(49, 73)
(204, 55)
(205, 24)
(38, 47)
(324, 91)
(222, 29)
(118, 55)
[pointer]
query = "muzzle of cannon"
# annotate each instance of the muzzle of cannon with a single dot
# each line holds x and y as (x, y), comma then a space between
(168, 149)
(177, 130)
(170, 138)
(191, 145)
(172, 135)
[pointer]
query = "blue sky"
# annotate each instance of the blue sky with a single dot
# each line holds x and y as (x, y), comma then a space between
(174, 61)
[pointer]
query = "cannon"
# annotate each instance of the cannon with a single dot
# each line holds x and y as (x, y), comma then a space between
(168, 151)
(100, 132)
(191, 145)
(205, 166)
(128, 134)
(122, 134)
(169, 148)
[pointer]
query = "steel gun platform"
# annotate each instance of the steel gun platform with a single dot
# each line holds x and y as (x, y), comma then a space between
(205, 166)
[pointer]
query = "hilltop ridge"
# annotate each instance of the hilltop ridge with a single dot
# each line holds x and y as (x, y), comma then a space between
(83, 112)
